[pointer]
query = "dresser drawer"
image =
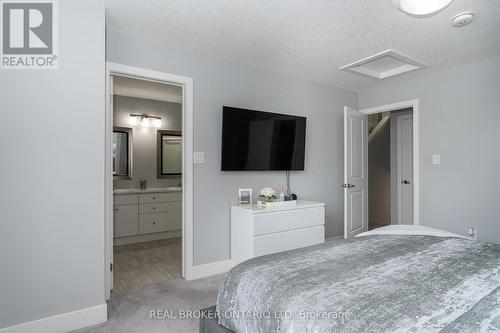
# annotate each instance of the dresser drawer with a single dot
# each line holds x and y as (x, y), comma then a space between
(159, 197)
(125, 199)
(272, 222)
(159, 207)
(150, 223)
(288, 240)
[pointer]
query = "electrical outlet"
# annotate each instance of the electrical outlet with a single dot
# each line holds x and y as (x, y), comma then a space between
(472, 233)
(199, 157)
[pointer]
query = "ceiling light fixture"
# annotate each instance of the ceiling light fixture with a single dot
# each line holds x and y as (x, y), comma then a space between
(145, 119)
(421, 8)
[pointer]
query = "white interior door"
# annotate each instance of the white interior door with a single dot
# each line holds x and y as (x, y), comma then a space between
(355, 172)
(405, 168)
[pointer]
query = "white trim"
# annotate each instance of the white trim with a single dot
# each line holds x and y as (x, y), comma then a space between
(213, 268)
(114, 69)
(414, 104)
(108, 187)
(64, 322)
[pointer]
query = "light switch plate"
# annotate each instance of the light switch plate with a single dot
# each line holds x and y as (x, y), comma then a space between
(199, 157)
(436, 159)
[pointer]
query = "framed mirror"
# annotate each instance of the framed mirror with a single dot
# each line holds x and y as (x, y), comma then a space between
(169, 154)
(122, 153)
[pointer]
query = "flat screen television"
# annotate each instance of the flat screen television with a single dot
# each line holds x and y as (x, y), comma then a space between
(262, 141)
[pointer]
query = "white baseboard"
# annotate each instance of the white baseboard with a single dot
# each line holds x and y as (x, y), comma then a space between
(64, 322)
(213, 268)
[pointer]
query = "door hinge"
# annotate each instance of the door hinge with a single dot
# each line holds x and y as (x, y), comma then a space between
(111, 267)
(348, 185)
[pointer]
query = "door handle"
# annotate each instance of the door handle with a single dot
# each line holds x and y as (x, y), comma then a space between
(404, 181)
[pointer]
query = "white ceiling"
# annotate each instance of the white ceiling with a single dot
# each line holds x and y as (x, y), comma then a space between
(311, 39)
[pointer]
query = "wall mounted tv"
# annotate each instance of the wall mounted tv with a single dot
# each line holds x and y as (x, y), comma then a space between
(262, 141)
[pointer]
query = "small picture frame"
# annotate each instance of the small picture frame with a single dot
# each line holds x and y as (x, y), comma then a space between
(244, 196)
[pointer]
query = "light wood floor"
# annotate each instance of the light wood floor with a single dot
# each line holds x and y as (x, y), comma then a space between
(140, 264)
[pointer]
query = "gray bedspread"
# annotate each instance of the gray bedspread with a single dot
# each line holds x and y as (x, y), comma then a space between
(387, 283)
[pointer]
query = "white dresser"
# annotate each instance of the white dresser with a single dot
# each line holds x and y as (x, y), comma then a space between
(140, 217)
(259, 231)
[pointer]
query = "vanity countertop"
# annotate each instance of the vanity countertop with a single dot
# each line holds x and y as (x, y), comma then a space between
(147, 190)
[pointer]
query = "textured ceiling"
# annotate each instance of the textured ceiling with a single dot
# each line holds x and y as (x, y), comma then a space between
(311, 39)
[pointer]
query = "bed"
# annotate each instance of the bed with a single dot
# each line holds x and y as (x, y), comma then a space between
(412, 279)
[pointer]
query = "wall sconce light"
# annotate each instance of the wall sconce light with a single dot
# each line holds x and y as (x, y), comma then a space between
(145, 120)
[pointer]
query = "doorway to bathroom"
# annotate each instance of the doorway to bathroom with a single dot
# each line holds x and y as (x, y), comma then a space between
(149, 183)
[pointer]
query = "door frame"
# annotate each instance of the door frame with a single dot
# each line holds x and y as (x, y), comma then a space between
(115, 69)
(414, 104)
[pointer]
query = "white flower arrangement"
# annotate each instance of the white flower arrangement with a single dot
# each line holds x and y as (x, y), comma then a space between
(267, 194)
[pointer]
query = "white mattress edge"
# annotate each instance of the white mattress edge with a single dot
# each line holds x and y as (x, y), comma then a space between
(410, 230)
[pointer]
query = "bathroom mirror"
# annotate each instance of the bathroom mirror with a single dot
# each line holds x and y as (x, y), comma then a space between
(122, 153)
(169, 154)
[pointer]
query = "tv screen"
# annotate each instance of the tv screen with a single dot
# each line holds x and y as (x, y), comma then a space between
(260, 141)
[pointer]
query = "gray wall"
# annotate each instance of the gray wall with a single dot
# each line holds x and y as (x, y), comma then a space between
(52, 192)
(144, 139)
(218, 83)
(379, 177)
(459, 119)
(394, 163)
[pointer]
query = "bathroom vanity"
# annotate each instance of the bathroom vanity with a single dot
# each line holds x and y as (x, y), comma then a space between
(146, 215)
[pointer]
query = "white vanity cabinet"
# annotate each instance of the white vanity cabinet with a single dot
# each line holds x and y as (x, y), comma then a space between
(140, 217)
(125, 217)
(174, 222)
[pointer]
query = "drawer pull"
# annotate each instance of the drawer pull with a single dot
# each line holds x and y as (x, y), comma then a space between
(116, 209)
(154, 198)
(154, 222)
(154, 208)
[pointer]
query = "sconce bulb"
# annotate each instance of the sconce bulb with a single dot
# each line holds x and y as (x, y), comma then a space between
(145, 122)
(157, 123)
(132, 121)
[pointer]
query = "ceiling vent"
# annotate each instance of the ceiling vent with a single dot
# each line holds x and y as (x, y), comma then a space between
(383, 65)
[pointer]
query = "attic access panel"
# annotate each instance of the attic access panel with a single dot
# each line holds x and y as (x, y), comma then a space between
(383, 65)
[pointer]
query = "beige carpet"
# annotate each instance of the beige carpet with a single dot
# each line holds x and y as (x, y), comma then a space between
(129, 312)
